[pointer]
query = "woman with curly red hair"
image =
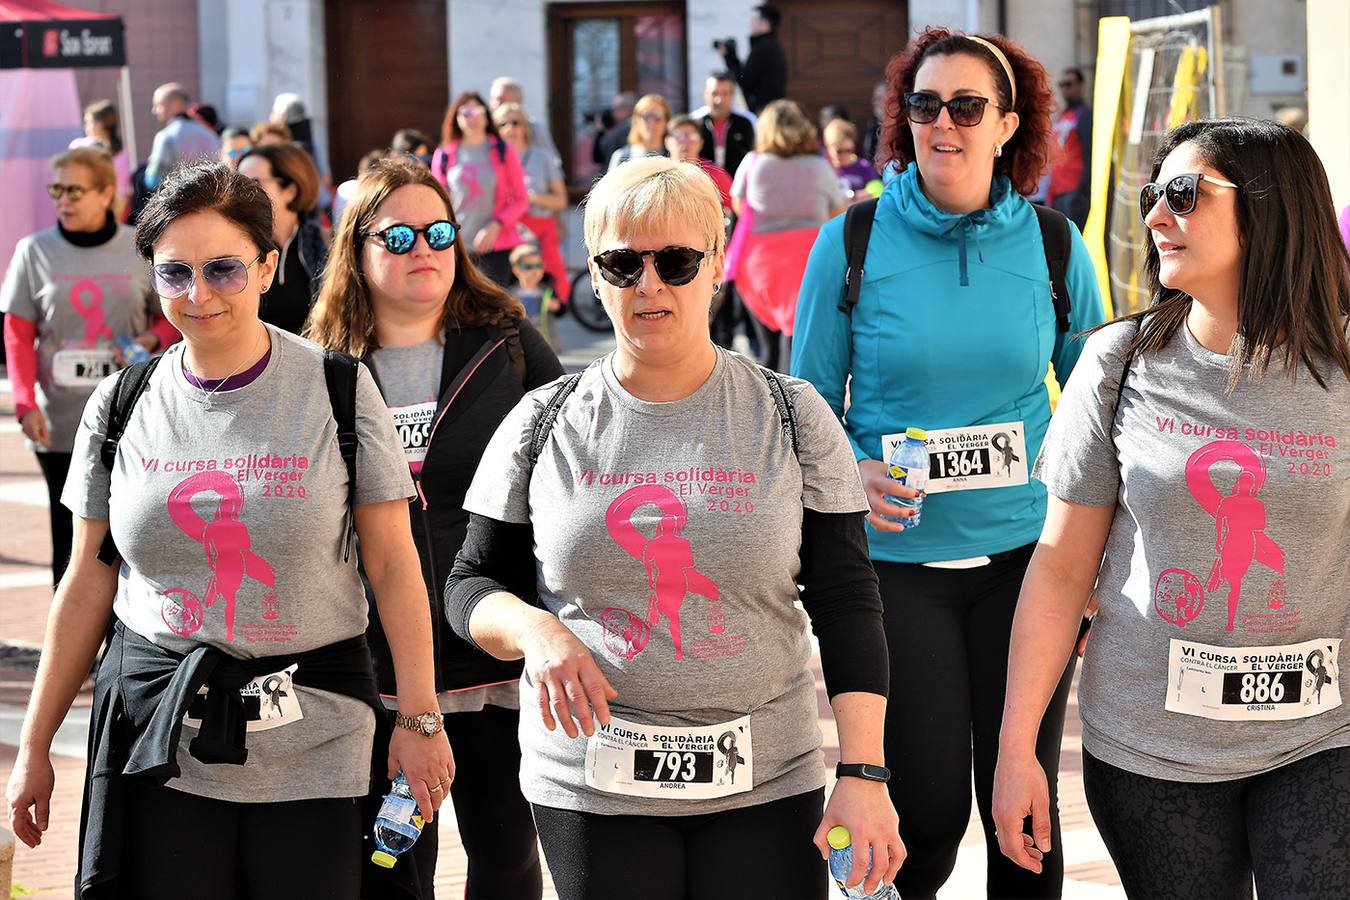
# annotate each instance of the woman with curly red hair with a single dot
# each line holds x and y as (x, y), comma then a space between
(952, 331)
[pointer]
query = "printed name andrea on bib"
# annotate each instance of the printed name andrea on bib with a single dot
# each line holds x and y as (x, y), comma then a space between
(977, 457)
(681, 763)
(269, 702)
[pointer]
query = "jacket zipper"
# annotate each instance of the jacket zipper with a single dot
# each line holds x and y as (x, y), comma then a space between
(437, 613)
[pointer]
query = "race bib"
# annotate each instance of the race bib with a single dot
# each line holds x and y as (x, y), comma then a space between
(82, 368)
(680, 763)
(413, 424)
(1260, 684)
(269, 702)
(971, 458)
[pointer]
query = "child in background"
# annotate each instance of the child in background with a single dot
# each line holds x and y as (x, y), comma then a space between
(534, 291)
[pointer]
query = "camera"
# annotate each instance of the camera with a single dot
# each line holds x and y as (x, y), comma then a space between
(726, 45)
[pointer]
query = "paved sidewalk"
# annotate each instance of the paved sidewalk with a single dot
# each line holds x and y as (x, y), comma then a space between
(25, 595)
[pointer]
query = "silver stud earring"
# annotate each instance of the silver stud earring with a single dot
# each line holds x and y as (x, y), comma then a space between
(998, 149)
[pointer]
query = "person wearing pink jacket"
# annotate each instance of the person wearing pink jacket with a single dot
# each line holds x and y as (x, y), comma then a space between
(485, 179)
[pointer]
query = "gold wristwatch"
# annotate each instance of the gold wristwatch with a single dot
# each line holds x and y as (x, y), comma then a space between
(426, 724)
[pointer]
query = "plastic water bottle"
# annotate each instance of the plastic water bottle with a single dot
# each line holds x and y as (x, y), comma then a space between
(909, 466)
(133, 351)
(841, 864)
(398, 825)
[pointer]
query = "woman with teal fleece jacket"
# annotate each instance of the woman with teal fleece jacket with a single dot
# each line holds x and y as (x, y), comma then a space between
(954, 328)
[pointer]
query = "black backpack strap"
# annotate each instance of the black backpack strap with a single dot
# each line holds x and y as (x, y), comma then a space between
(543, 426)
(787, 413)
(857, 231)
(127, 389)
(1058, 244)
(511, 332)
(340, 371)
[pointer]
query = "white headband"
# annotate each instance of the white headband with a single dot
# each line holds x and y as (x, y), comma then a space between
(1002, 61)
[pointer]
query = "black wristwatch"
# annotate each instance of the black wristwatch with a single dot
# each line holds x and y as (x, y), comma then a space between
(865, 771)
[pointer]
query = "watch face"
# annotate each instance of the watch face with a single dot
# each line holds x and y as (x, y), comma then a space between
(429, 722)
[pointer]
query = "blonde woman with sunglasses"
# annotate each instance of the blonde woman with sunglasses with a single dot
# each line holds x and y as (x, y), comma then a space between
(214, 537)
(637, 534)
(70, 294)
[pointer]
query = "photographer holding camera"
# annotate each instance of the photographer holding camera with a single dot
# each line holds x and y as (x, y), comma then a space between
(763, 75)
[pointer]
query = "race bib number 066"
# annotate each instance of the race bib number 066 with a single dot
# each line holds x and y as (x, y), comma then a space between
(973, 458)
(1291, 681)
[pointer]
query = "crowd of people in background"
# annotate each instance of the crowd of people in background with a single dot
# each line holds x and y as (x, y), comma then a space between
(490, 553)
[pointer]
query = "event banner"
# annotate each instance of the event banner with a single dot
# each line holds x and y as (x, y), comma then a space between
(62, 44)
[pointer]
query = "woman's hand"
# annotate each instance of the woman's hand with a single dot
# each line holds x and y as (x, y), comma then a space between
(566, 679)
(34, 425)
(486, 238)
(877, 484)
(1089, 614)
(30, 787)
(1020, 790)
(864, 808)
(427, 763)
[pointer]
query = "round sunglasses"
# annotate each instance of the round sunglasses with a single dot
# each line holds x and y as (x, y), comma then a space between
(400, 239)
(674, 265)
(922, 107)
(1181, 192)
(227, 276)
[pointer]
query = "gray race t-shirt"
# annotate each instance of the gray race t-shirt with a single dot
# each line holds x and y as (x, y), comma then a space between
(796, 192)
(542, 167)
(473, 188)
(1229, 506)
(230, 522)
(408, 378)
(666, 538)
(81, 299)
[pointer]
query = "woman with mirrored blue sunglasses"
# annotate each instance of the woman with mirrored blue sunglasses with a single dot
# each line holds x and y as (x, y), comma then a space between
(452, 353)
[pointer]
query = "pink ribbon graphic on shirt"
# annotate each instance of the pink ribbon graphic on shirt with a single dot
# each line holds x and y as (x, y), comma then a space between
(669, 560)
(1239, 517)
(86, 298)
(227, 544)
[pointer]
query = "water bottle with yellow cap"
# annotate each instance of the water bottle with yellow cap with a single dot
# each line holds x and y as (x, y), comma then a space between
(908, 465)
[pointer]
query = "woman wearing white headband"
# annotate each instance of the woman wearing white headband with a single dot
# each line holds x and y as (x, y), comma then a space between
(954, 324)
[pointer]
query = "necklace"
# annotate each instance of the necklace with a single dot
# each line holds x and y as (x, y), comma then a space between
(206, 402)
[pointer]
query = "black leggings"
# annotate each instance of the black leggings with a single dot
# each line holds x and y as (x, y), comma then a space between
(494, 819)
(1290, 828)
(947, 631)
(762, 851)
(181, 845)
(55, 467)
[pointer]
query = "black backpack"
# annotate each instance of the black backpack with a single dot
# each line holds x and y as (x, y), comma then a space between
(543, 426)
(1054, 235)
(339, 371)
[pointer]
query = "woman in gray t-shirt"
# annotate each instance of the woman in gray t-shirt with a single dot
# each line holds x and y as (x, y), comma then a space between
(230, 502)
(1197, 474)
(664, 525)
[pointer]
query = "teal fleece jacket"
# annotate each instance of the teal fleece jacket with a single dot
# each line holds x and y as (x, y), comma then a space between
(954, 327)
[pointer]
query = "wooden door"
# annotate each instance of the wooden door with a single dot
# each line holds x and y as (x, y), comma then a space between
(386, 71)
(838, 50)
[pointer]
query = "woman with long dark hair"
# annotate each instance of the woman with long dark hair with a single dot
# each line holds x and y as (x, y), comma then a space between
(482, 173)
(953, 330)
(1198, 478)
(452, 354)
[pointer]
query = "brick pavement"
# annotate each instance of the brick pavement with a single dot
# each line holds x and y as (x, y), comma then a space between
(49, 871)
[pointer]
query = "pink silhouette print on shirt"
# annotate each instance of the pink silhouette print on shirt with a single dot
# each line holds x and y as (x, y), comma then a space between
(86, 298)
(667, 555)
(227, 544)
(1239, 517)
